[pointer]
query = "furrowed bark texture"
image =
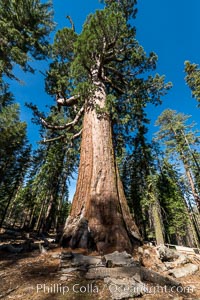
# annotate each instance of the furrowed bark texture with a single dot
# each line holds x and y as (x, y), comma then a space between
(100, 217)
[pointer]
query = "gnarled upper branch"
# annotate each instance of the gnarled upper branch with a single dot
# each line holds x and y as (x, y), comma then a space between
(65, 126)
(62, 101)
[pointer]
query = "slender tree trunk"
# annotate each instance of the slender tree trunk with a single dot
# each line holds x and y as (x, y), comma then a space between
(57, 215)
(192, 185)
(31, 217)
(187, 169)
(60, 202)
(5, 212)
(157, 223)
(39, 218)
(100, 217)
(14, 192)
(191, 152)
(47, 217)
(191, 235)
(156, 214)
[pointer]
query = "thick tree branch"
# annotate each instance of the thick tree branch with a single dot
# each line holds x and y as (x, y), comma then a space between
(53, 139)
(116, 72)
(112, 55)
(113, 58)
(61, 101)
(75, 136)
(68, 125)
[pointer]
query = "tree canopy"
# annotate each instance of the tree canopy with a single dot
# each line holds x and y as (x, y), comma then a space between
(24, 30)
(193, 79)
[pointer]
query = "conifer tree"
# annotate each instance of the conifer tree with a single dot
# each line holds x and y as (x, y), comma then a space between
(97, 75)
(45, 195)
(14, 150)
(173, 204)
(140, 179)
(24, 28)
(181, 141)
(193, 79)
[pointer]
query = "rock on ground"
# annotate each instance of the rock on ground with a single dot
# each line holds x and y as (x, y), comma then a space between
(151, 276)
(119, 259)
(124, 288)
(188, 269)
(166, 254)
(103, 272)
(79, 260)
(182, 260)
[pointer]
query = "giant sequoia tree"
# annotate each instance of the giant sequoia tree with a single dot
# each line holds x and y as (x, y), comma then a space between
(97, 77)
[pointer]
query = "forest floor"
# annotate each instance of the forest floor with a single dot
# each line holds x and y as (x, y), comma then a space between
(35, 276)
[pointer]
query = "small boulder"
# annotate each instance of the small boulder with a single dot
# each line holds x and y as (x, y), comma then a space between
(119, 259)
(124, 288)
(182, 260)
(117, 272)
(67, 270)
(166, 254)
(188, 269)
(83, 260)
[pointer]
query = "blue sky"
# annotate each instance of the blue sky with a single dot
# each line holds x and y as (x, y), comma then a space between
(170, 28)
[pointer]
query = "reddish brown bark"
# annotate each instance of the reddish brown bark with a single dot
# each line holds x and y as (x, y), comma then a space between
(99, 218)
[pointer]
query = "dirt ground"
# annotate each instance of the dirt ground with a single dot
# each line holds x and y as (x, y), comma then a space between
(36, 276)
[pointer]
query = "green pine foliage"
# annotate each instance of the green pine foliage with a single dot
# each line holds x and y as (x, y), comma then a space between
(24, 27)
(193, 79)
(173, 204)
(14, 150)
(180, 137)
(44, 197)
(107, 51)
(24, 31)
(182, 142)
(135, 171)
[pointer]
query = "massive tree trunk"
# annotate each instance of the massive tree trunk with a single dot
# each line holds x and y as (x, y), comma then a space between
(99, 217)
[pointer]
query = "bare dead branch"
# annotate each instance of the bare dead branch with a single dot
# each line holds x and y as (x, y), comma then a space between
(71, 22)
(65, 126)
(75, 136)
(42, 73)
(53, 139)
(61, 101)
